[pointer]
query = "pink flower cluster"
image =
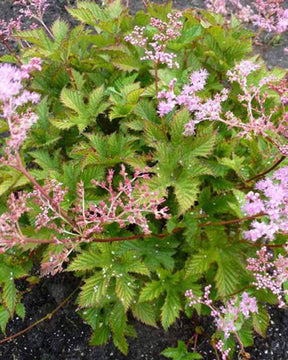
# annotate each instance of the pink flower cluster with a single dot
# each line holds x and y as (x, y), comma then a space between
(218, 6)
(203, 110)
(228, 318)
(49, 210)
(32, 9)
(268, 15)
(273, 203)
(258, 122)
(12, 96)
(166, 31)
(18, 204)
(220, 347)
(10, 233)
(269, 274)
(127, 204)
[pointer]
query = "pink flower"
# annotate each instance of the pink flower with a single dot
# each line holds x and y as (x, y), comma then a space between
(274, 204)
(226, 317)
(166, 31)
(12, 96)
(269, 274)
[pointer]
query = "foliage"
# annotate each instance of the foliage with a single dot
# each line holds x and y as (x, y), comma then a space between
(134, 178)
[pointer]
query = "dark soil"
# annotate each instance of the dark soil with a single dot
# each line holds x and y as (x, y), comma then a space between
(66, 337)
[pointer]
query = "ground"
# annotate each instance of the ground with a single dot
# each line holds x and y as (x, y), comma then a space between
(66, 337)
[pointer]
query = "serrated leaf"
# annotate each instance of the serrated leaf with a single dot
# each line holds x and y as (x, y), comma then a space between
(94, 289)
(186, 191)
(36, 36)
(85, 261)
(203, 145)
(245, 334)
(100, 336)
(153, 133)
(127, 63)
(83, 15)
(152, 290)
(73, 100)
(43, 158)
(199, 263)
(9, 296)
(118, 324)
(144, 312)
(146, 111)
(260, 321)
(95, 101)
(226, 277)
(170, 309)
(20, 310)
(60, 31)
(125, 289)
(179, 120)
(61, 124)
(4, 318)
(180, 353)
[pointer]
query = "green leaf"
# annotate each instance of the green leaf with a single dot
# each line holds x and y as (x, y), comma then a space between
(260, 320)
(73, 100)
(245, 334)
(153, 133)
(83, 15)
(170, 309)
(145, 312)
(44, 159)
(203, 145)
(100, 336)
(152, 290)
(9, 296)
(85, 261)
(146, 111)
(93, 291)
(4, 318)
(96, 104)
(181, 118)
(199, 263)
(118, 324)
(226, 277)
(125, 289)
(127, 63)
(180, 353)
(20, 310)
(60, 31)
(186, 191)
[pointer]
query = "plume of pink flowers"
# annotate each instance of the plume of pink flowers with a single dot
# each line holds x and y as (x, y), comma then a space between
(268, 15)
(128, 203)
(272, 200)
(13, 96)
(155, 50)
(226, 316)
(270, 274)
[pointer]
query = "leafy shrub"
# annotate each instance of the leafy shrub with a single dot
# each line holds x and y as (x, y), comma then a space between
(128, 162)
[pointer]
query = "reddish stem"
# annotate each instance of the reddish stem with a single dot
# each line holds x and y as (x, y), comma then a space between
(268, 170)
(209, 223)
(8, 47)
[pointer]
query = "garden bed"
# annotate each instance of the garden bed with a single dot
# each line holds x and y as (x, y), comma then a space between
(65, 336)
